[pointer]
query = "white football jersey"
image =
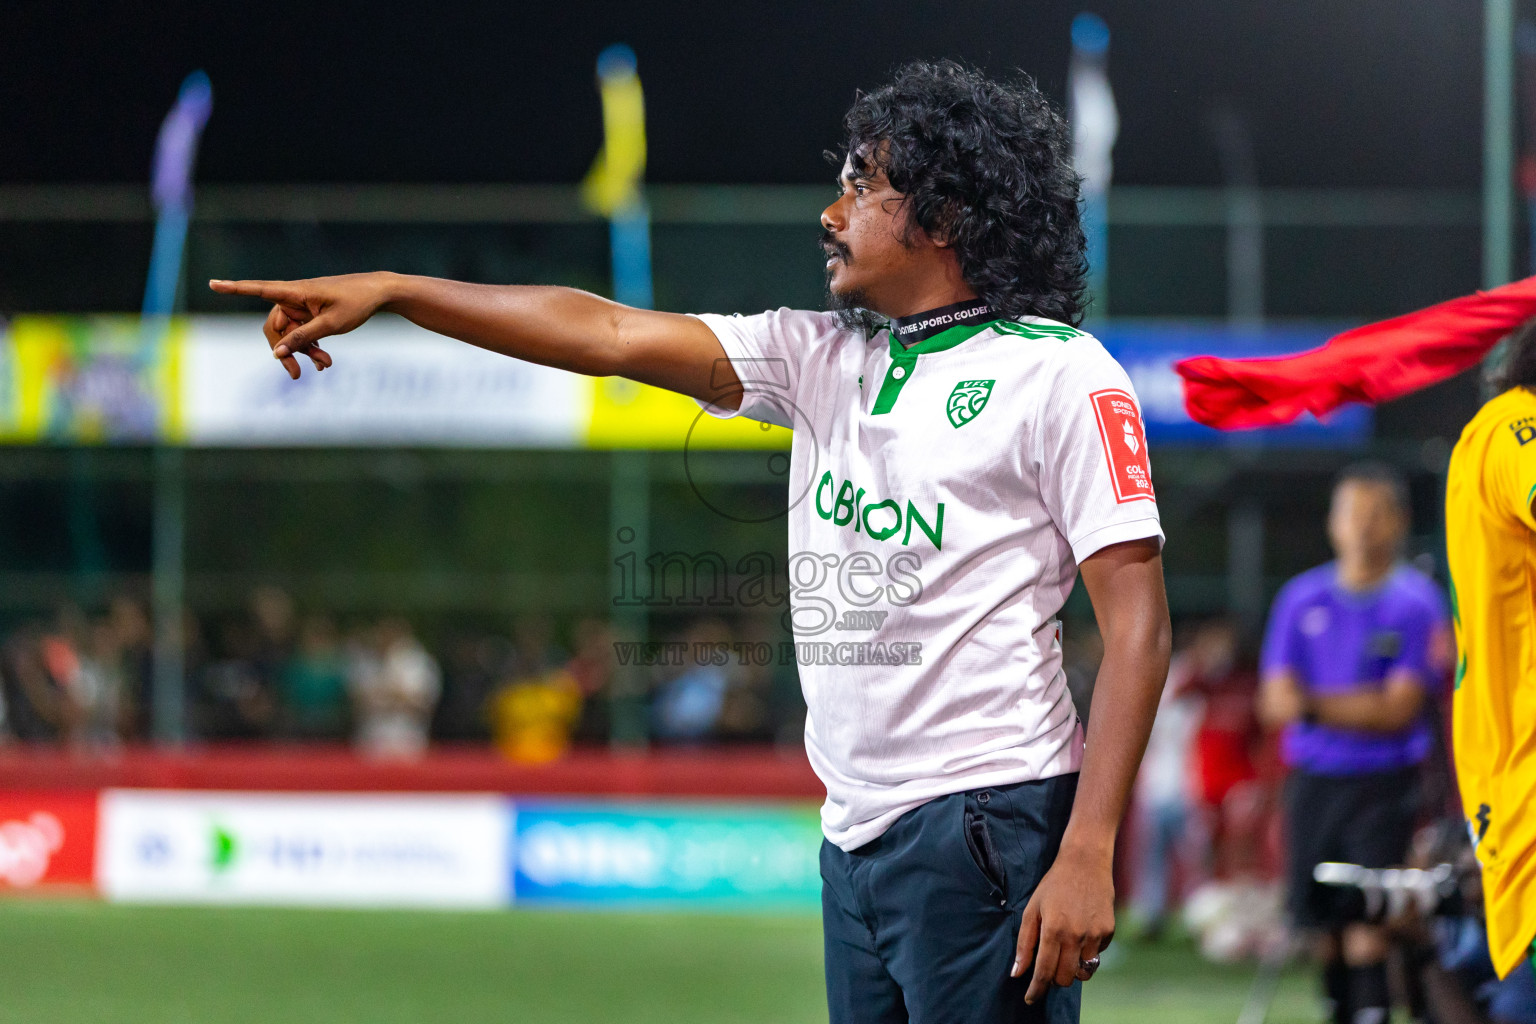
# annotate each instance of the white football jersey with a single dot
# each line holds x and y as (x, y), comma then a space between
(941, 498)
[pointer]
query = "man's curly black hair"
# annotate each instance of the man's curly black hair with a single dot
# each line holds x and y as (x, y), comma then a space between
(985, 165)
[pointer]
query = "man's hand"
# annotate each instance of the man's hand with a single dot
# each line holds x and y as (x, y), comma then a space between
(1390, 707)
(1071, 918)
(1282, 699)
(304, 312)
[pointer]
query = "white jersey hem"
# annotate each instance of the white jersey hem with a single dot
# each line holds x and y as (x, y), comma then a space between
(1067, 761)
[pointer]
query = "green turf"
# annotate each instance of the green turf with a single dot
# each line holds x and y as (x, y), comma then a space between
(63, 962)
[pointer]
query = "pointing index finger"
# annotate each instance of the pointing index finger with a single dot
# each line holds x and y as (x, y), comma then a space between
(271, 291)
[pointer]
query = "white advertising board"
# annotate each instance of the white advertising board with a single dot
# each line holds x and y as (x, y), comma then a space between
(393, 383)
(304, 849)
(211, 381)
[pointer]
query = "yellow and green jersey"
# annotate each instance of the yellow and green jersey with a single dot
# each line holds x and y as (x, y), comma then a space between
(1491, 546)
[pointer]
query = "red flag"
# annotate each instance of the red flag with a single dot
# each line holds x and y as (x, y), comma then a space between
(1369, 364)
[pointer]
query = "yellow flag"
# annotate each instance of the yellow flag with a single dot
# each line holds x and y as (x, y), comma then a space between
(614, 180)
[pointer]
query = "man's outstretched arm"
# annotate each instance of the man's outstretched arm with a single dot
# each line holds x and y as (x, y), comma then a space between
(560, 327)
(1072, 913)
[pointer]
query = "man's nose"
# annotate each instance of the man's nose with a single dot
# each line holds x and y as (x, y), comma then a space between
(830, 218)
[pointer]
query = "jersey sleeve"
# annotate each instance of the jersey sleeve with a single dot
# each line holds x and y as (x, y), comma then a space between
(1095, 475)
(1282, 639)
(1423, 624)
(1512, 469)
(767, 352)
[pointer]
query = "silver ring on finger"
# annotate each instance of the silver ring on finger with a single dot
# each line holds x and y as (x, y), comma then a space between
(1085, 968)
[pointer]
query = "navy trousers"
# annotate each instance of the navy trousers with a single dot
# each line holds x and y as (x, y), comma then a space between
(921, 924)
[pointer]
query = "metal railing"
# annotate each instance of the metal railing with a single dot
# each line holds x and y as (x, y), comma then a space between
(1139, 205)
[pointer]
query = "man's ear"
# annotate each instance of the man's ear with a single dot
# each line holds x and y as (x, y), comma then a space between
(942, 236)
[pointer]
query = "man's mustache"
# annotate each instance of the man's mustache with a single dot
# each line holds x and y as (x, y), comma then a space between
(832, 247)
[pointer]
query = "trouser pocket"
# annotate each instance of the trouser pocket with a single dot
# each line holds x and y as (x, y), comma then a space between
(983, 850)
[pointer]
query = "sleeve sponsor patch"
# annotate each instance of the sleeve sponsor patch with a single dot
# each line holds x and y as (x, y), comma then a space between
(1125, 444)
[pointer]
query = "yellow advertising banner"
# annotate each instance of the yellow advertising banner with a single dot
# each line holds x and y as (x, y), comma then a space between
(91, 380)
(630, 415)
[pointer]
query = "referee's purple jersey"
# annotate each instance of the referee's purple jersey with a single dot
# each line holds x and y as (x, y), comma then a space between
(1336, 640)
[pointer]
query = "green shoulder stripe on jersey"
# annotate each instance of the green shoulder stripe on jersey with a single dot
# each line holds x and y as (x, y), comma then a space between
(1461, 671)
(1039, 332)
(904, 360)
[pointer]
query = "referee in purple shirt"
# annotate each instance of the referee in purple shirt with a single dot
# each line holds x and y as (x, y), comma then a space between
(1352, 649)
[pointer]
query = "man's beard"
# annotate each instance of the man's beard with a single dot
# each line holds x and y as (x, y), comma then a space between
(850, 307)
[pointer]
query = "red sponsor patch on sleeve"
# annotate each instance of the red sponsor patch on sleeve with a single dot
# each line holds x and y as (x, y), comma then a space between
(1125, 444)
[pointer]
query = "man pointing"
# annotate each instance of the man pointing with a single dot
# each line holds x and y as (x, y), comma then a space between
(948, 418)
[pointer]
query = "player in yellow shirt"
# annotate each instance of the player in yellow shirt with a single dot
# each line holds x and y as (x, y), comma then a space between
(1491, 543)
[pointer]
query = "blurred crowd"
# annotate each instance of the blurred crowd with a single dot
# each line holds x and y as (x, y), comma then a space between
(1206, 805)
(272, 671)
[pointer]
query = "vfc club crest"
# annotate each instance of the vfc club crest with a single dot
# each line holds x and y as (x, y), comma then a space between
(967, 400)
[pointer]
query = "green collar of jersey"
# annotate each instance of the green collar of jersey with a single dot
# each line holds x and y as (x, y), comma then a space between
(904, 360)
(945, 339)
